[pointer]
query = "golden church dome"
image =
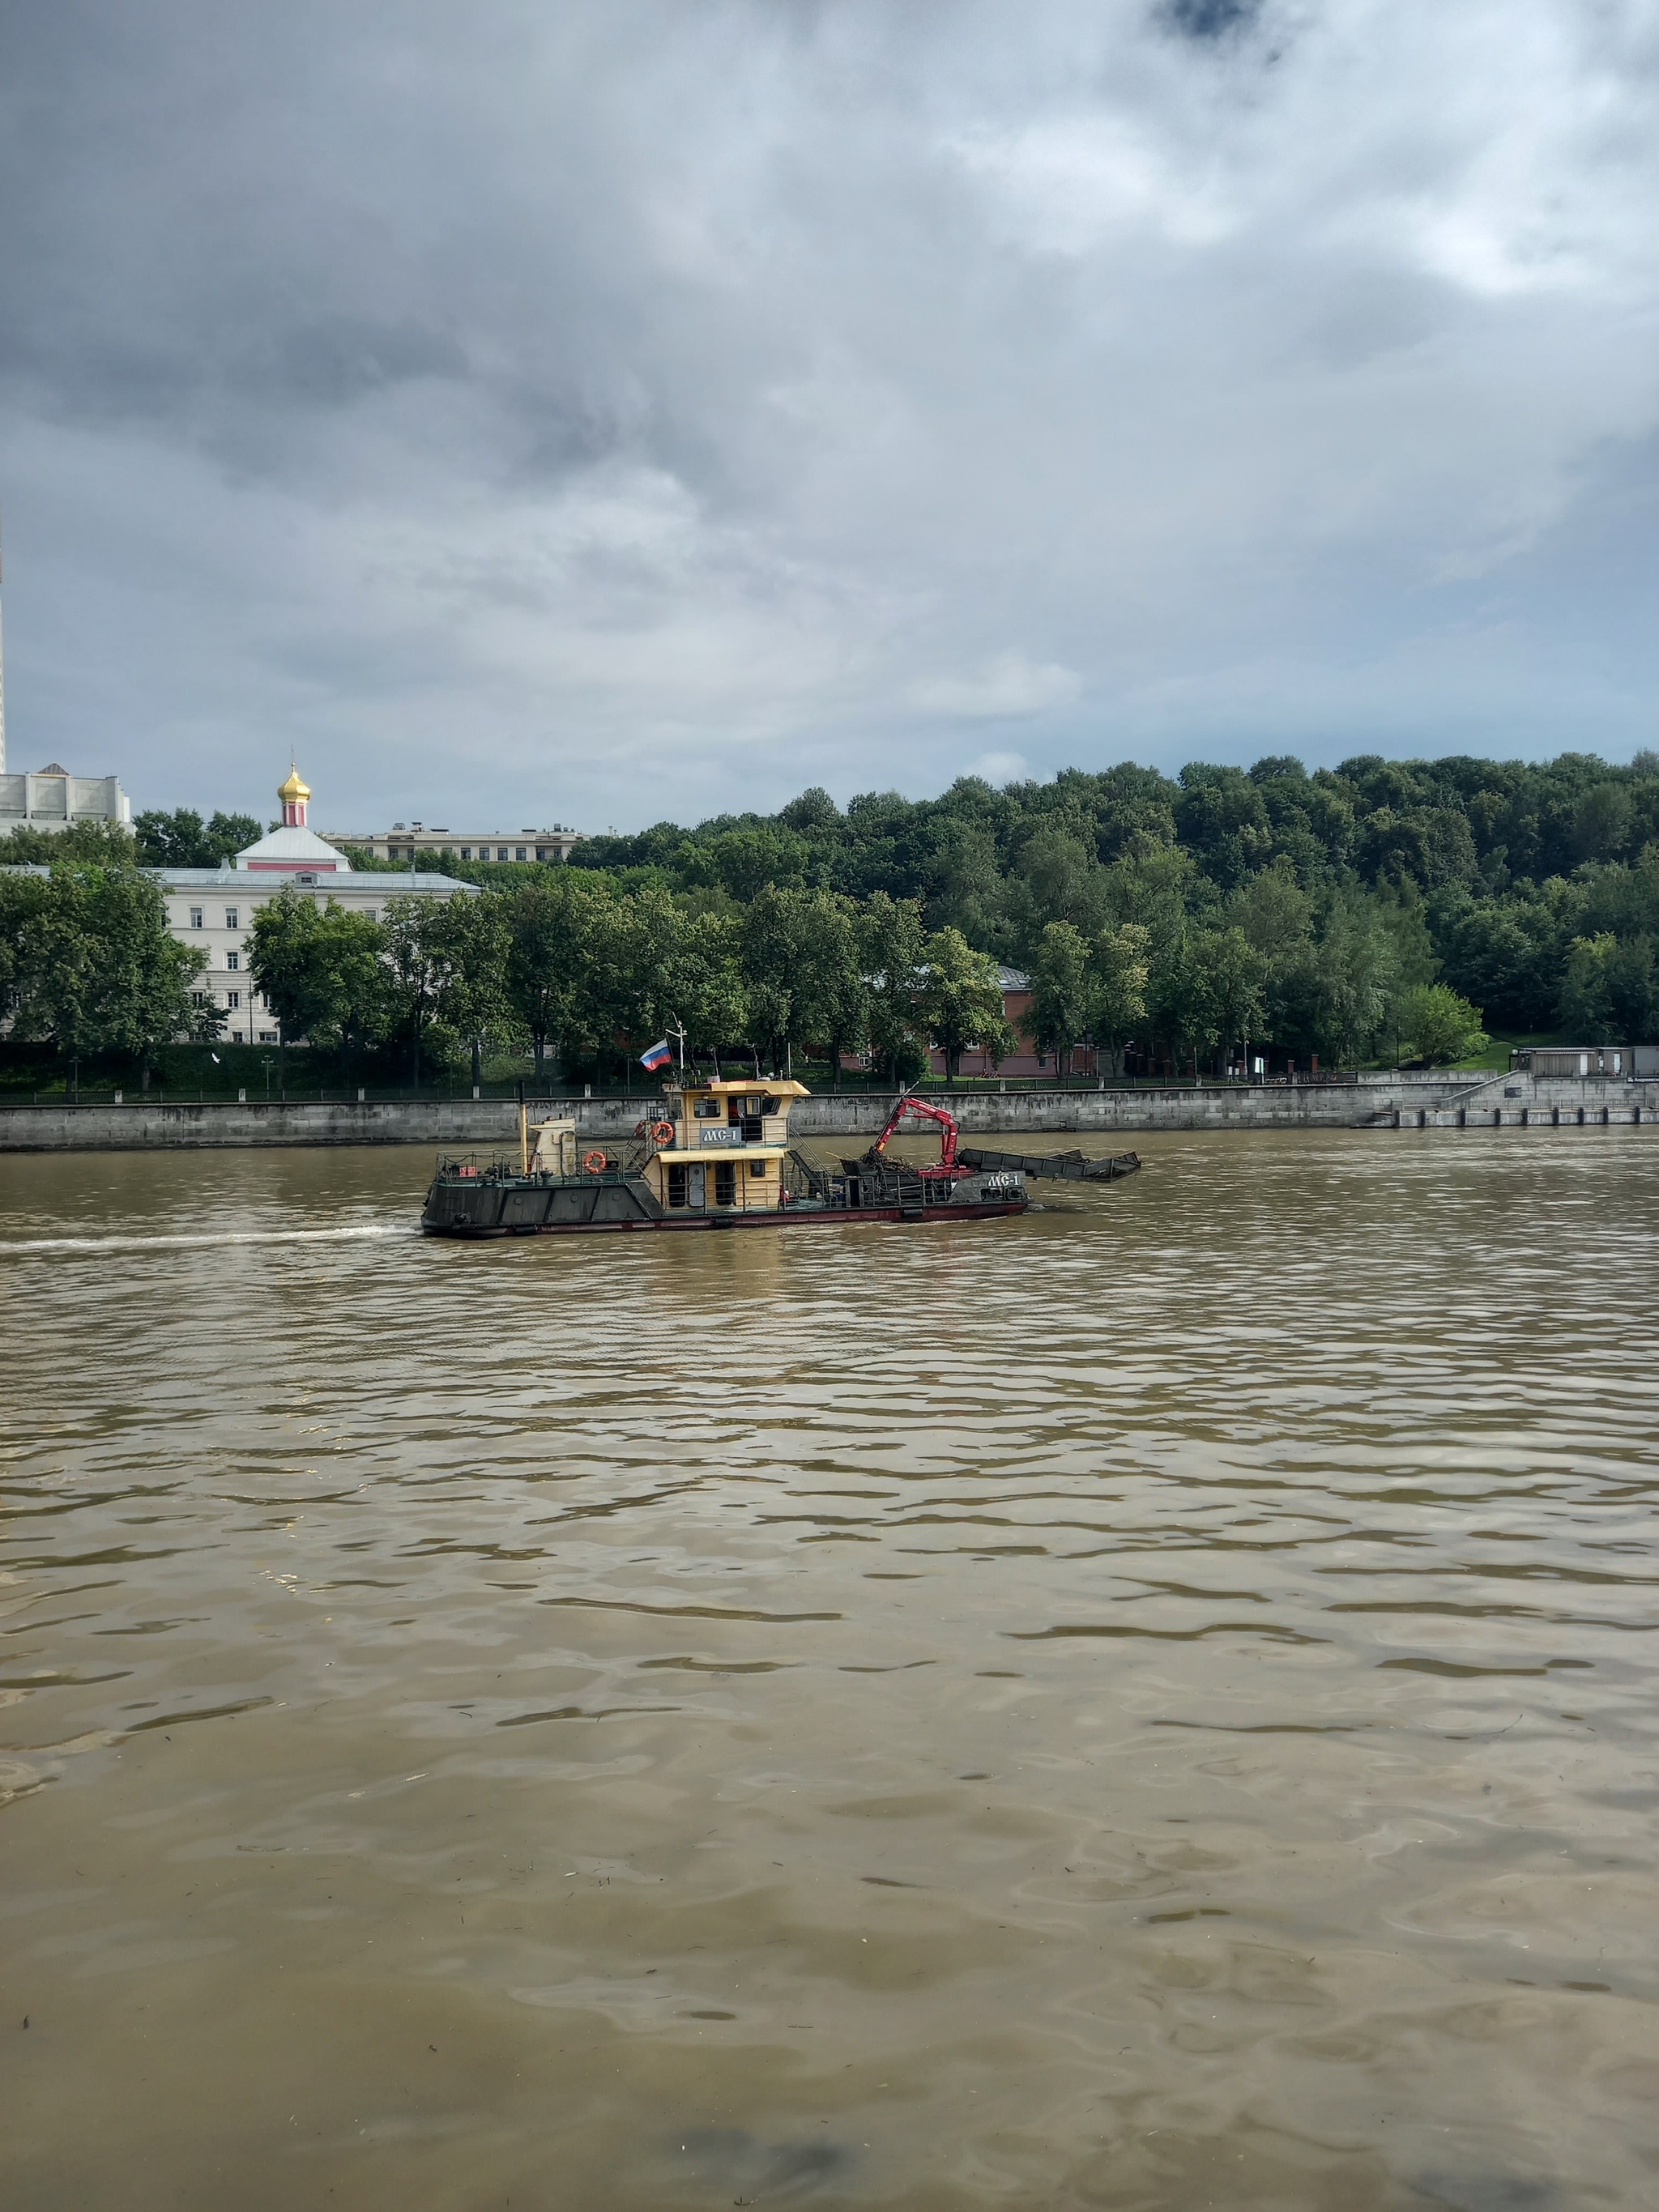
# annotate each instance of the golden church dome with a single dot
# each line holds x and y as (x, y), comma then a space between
(295, 788)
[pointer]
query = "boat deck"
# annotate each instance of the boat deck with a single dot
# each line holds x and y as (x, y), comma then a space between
(498, 1200)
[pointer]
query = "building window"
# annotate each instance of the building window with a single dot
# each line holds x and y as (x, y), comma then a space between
(233, 962)
(233, 1000)
(233, 917)
(371, 913)
(199, 999)
(466, 852)
(541, 852)
(267, 1037)
(195, 917)
(500, 852)
(521, 856)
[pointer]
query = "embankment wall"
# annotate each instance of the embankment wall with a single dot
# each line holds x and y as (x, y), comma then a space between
(1387, 1101)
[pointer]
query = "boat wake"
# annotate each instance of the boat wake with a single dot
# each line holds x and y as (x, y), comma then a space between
(195, 1241)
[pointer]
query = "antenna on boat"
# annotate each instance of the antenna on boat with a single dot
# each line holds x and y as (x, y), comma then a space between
(676, 1028)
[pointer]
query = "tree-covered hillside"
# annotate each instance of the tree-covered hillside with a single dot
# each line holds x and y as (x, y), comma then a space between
(1530, 888)
(1382, 909)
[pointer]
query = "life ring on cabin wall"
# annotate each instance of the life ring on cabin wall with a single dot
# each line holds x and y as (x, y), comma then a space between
(593, 1163)
(663, 1132)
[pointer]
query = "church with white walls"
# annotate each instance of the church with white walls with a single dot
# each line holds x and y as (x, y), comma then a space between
(212, 909)
(294, 847)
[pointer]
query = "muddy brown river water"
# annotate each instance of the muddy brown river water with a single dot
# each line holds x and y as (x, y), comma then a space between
(1150, 1706)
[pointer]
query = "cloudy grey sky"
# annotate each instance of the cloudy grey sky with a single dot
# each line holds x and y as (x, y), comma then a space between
(612, 409)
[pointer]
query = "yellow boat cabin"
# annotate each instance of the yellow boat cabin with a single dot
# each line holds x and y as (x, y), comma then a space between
(722, 1143)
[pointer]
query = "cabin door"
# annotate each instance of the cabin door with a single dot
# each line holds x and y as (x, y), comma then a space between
(695, 1192)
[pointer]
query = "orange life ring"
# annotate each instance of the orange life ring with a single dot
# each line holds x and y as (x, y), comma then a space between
(663, 1132)
(594, 1163)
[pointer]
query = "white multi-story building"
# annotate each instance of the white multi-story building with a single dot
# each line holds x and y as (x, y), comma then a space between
(408, 842)
(212, 909)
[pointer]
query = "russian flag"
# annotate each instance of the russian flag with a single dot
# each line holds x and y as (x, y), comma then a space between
(658, 1056)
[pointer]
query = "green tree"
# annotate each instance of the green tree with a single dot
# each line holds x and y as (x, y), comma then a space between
(1402, 911)
(1063, 992)
(1056, 877)
(1119, 967)
(104, 843)
(351, 1011)
(282, 963)
(673, 970)
(893, 950)
(813, 814)
(103, 972)
(960, 1000)
(558, 923)
(1585, 1009)
(1235, 974)
(182, 839)
(23, 897)
(1355, 978)
(964, 883)
(707, 980)
(743, 860)
(1276, 916)
(447, 962)
(1181, 1002)
(323, 972)
(834, 997)
(640, 979)
(772, 941)
(801, 975)
(1158, 887)
(1633, 992)
(1439, 1027)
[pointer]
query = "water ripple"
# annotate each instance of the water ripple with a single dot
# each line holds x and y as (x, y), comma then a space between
(1150, 1704)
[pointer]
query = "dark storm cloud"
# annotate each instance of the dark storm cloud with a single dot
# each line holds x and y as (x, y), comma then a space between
(618, 409)
(1210, 19)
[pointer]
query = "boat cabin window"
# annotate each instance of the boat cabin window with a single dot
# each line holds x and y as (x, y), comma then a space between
(676, 1186)
(758, 1167)
(708, 1109)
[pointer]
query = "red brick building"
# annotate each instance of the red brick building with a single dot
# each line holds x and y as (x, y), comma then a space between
(1026, 1060)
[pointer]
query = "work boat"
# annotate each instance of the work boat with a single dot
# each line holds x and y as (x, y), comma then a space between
(718, 1156)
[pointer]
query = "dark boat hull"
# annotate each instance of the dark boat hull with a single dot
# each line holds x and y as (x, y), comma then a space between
(490, 1206)
(782, 1217)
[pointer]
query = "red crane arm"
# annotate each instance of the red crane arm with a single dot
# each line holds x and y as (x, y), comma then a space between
(947, 1128)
